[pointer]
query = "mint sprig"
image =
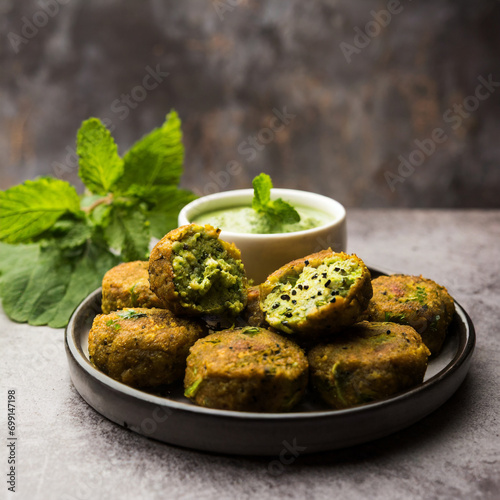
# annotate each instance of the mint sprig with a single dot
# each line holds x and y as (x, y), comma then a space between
(57, 246)
(276, 212)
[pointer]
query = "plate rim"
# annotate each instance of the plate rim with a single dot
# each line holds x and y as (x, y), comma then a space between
(463, 355)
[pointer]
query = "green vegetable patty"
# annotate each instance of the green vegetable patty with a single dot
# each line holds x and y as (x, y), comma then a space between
(194, 272)
(318, 294)
(142, 347)
(368, 362)
(127, 285)
(415, 301)
(247, 369)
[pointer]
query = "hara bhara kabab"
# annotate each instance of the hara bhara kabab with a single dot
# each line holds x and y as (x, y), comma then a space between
(142, 347)
(317, 295)
(189, 315)
(127, 285)
(415, 301)
(193, 272)
(366, 363)
(247, 369)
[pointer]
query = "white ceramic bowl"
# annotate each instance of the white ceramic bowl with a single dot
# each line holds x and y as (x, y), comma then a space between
(262, 254)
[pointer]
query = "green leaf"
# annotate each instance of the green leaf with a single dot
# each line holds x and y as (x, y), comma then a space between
(130, 314)
(262, 186)
(276, 212)
(45, 285)
(43, 279)
(30, 208)
(100, 166)
(167, 204)
(87, 274)
(128, 232)
(285, 212)
(69, 233)
(154, 160)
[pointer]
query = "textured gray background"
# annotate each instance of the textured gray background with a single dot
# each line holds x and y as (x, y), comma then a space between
(231, 62)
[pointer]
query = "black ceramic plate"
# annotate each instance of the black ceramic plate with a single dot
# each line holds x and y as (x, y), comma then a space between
(311, 427)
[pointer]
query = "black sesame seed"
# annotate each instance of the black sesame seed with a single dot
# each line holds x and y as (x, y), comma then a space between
(333, 300)
(294, 292)
(306, 287)
(275, 306)
(306, 262)
(288, 315)
(300, 287)
(337, 269)
(328, 283)
(285, 297)
(388, 332)
(314, 277)
(324, 275)
(185, 247)
(294, 301)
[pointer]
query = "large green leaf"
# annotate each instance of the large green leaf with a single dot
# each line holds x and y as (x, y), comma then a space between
(42, 286)
(164, 214)
(128, 232)
(154, 160)
(30, 208)
(100, 166)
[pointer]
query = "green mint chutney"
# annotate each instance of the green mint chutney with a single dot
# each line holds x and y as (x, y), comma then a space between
(247, 220)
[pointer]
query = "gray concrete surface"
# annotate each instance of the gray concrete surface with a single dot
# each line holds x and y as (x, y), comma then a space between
(65, 450)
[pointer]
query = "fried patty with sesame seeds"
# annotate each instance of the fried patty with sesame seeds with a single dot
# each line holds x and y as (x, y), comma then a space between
(366, 363)
(317, 295)
(193, 272)
(246, 369)
(415, 301)
(127, 285)
(142, 347)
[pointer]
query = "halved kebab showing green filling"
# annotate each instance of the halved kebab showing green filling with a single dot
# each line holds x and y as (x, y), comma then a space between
(321, 293)
(206, 276)
(194, 272)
